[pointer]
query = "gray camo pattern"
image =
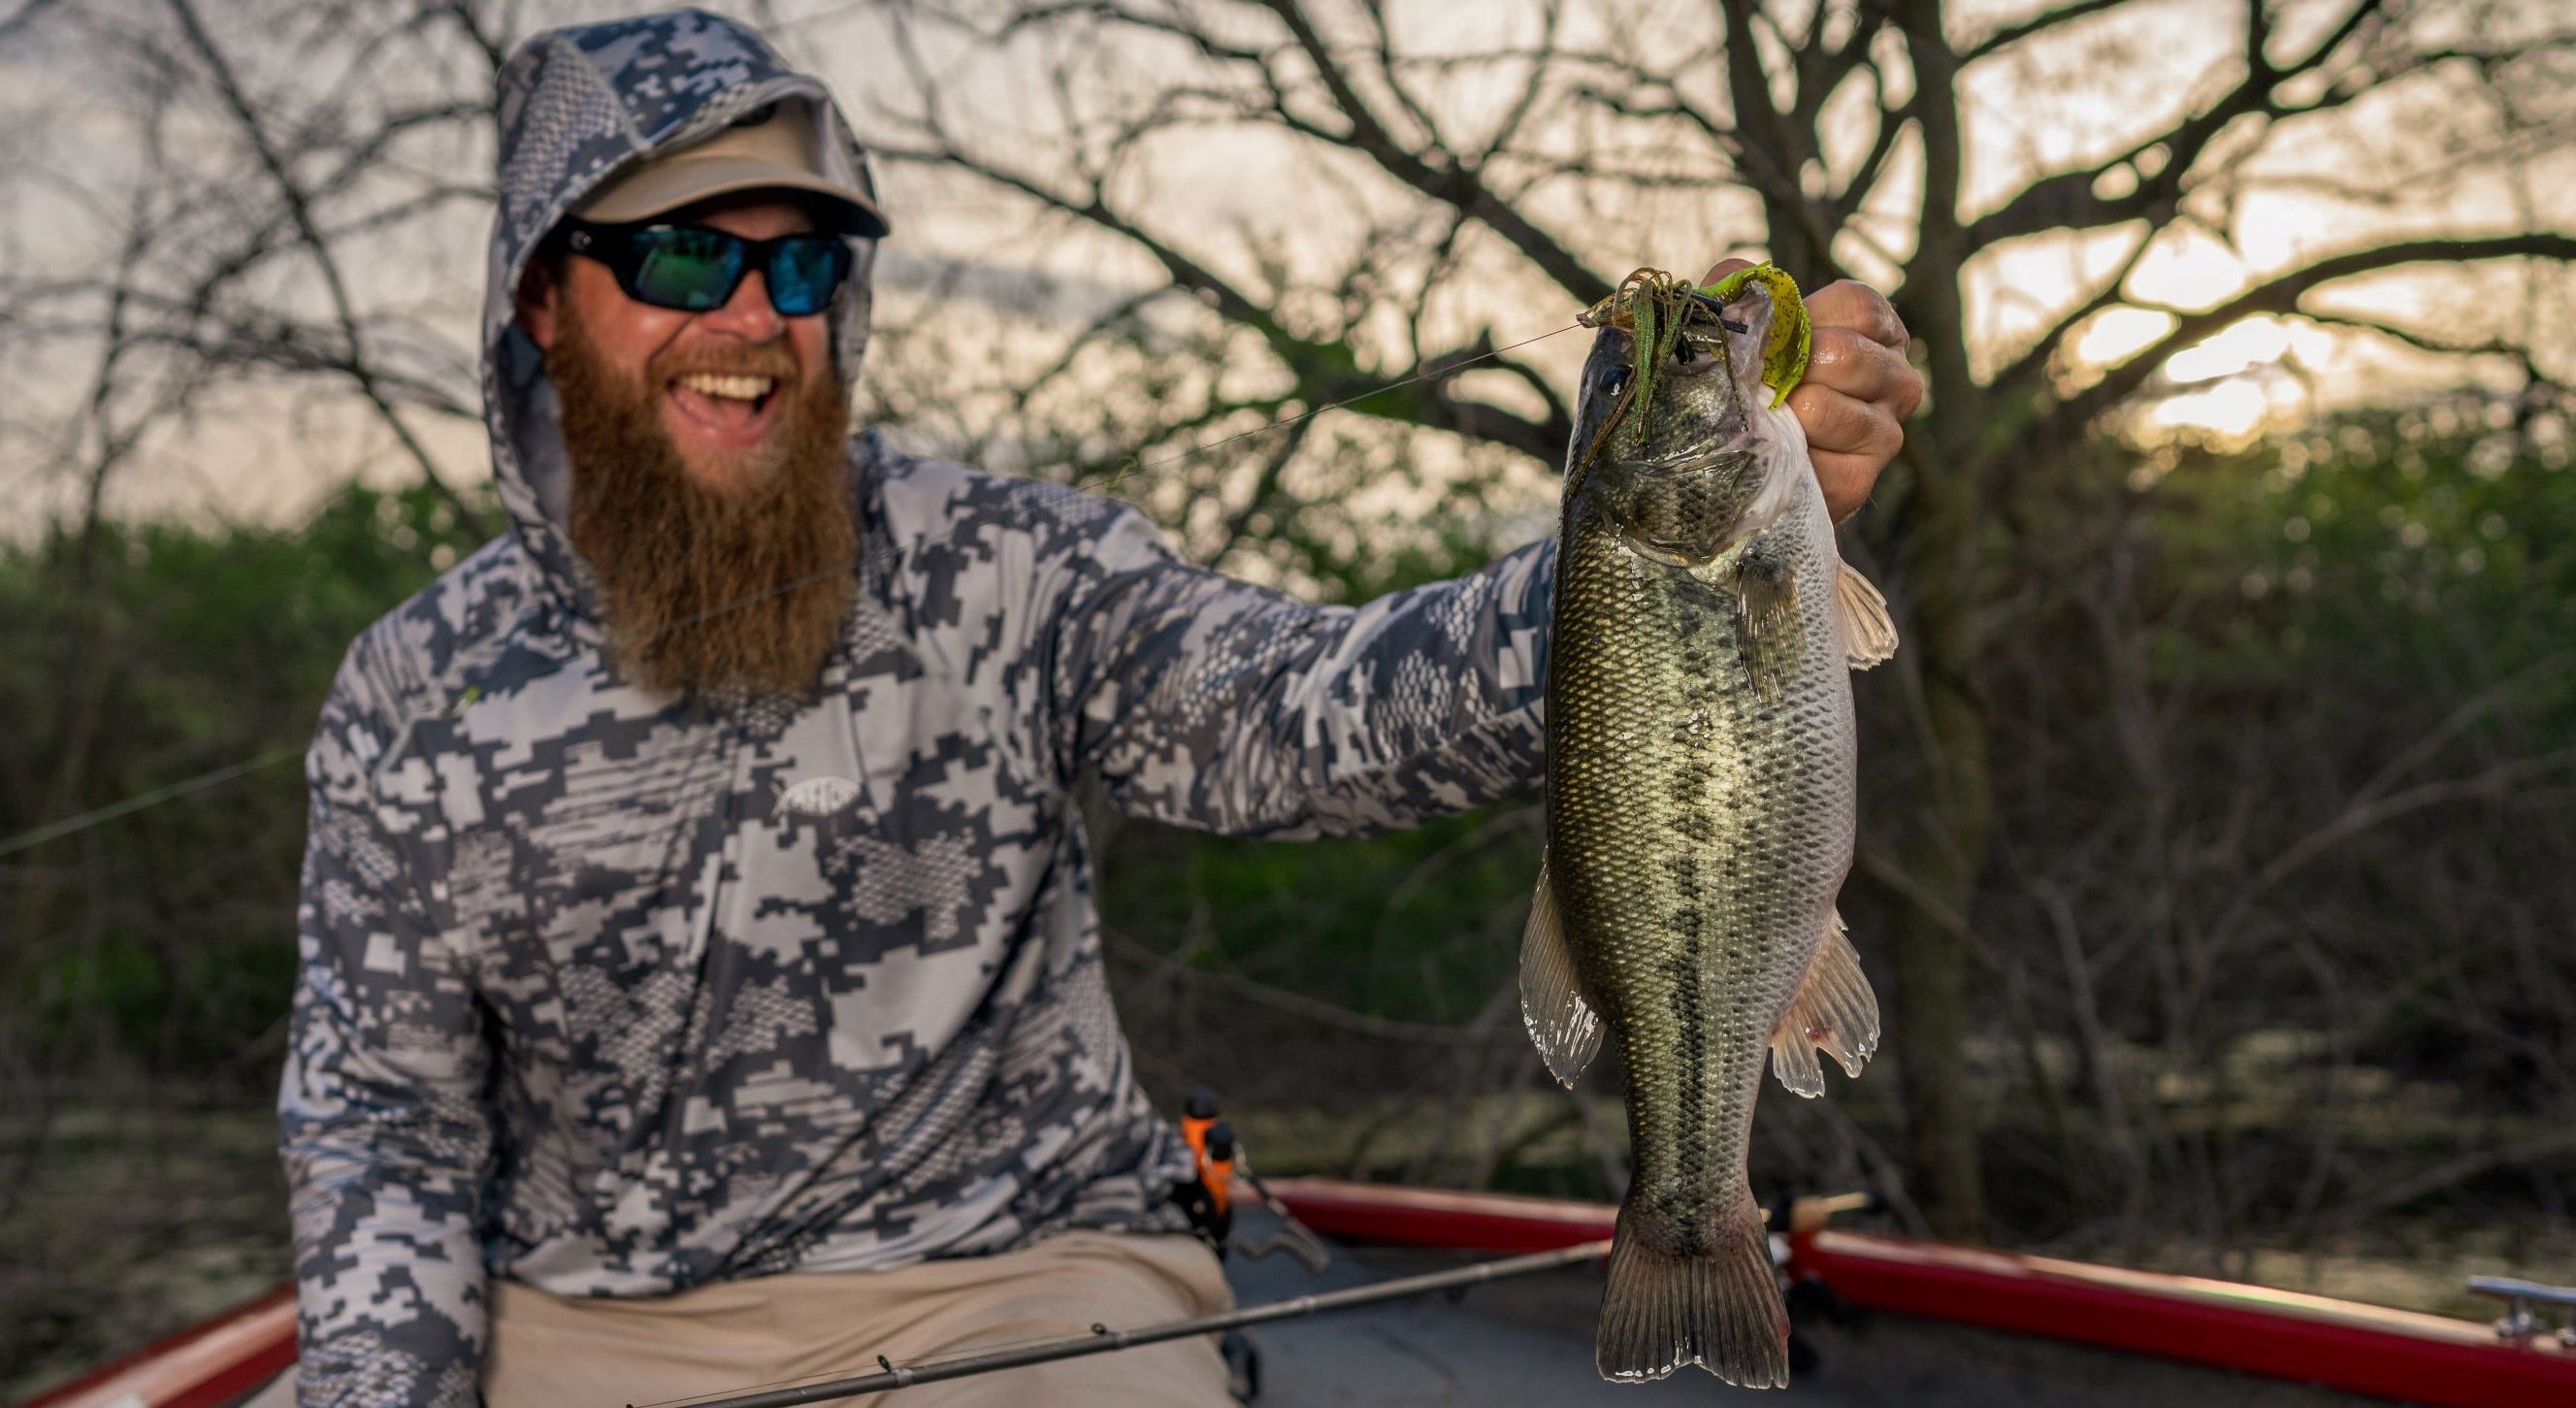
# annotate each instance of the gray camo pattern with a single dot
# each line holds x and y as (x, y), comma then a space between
(614, 997)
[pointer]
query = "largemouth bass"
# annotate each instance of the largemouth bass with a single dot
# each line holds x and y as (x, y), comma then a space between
(1700, 796)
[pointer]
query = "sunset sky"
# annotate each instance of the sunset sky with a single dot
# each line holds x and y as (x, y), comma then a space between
(265, 452)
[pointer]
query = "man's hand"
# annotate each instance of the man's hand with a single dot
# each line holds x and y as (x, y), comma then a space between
(1859, 388)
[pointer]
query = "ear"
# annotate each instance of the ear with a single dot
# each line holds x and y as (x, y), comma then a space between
(538, 291)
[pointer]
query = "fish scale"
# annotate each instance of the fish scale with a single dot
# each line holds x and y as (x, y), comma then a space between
(1700, 815)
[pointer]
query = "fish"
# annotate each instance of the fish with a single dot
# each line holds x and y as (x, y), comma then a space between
(1701, 796)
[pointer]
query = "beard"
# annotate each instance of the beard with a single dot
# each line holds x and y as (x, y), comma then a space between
(709, 594)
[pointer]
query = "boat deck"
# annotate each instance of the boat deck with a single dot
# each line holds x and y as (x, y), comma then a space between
(1529, 1341)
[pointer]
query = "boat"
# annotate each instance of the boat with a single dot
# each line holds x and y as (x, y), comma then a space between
(1881, 1319)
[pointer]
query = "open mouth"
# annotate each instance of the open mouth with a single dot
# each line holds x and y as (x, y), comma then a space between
(731, 408)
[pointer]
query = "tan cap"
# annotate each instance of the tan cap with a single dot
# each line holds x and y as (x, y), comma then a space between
(778, 147)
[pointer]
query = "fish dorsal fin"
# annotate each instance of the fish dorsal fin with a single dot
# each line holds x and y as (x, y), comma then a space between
(1834, 1012)
(1860, 619)
(1566, 1028)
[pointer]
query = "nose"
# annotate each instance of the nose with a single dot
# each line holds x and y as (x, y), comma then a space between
(748, 314)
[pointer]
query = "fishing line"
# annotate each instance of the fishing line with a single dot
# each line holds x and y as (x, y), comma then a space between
(73, 825)
(1135, 468)
(141, 800)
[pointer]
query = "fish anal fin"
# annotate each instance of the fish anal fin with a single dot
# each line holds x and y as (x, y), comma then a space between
(1669, 1302)
(1566, 1028)
(1861, 621)
(1834, 1012)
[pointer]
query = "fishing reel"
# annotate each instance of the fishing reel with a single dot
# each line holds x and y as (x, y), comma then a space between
(1217, 1160)
(1208, 1198)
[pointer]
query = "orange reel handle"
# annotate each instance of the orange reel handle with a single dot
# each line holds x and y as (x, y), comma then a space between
(1215, 1174)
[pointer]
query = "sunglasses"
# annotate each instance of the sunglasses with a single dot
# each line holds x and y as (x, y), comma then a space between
(693, 268)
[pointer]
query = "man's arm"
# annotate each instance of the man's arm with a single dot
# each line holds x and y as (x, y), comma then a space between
(385, 1135)
(1210, 702)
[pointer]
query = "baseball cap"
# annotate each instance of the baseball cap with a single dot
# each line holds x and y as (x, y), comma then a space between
(780, 147)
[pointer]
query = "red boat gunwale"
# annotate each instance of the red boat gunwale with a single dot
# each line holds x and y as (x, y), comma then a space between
(2279, 1334)
(208, 1365)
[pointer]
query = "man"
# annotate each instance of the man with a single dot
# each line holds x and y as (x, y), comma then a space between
(696, 891)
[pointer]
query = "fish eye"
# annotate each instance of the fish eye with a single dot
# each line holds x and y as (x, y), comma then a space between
(1614, 379)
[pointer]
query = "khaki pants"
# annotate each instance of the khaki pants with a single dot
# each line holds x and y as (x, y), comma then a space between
(552, 1352)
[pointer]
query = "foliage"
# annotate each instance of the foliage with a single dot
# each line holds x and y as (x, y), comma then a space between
(2219, 811)
(151, 653)
(2059, 202)
(2282, 822)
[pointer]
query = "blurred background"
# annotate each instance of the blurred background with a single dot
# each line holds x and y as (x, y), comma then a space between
(2217, 860)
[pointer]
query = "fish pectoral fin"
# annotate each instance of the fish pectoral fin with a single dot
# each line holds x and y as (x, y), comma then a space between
(1768, 622)
(1861, 619)
(1566, 1028)
(1834, 1012)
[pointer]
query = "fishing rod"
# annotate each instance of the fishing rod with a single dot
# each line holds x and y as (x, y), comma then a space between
(1103, 1340)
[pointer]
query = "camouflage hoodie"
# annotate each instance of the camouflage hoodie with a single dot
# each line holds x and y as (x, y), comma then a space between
(615, 998)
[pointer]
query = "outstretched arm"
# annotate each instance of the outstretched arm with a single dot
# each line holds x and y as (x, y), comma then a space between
(1209, 702)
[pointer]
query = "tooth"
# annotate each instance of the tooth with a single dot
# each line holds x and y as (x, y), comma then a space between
(737, 388)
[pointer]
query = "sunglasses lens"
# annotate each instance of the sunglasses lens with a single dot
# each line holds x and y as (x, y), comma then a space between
(685, 268)
(804, 274)
(694, 269)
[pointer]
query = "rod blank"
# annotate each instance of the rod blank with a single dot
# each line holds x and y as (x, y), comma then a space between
(1103, 1340)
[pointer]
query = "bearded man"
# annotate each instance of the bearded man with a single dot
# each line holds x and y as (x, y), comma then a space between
(700, 978)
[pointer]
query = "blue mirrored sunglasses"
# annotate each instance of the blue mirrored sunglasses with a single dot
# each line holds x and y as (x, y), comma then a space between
(693, 268)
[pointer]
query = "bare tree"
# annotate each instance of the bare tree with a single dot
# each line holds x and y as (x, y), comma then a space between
(1427, 182)
(264, 167)
(206, 202)
(1362, 219)
(258, 172)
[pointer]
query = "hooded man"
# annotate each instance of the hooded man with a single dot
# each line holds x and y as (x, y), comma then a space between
(696, 891)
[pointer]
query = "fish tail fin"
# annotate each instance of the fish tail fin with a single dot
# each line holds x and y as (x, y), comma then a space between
(1716, 1305)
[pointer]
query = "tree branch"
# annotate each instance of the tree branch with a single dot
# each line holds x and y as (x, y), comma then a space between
(25, 15)
(300, 208)
(2022, 377)
(2067, 200)
(2281, 295)
(1436, 174)
(2040, 23)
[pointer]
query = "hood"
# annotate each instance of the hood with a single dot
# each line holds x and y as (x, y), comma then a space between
(578, 106)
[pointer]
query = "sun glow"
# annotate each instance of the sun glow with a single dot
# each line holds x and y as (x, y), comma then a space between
(2256, 342)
